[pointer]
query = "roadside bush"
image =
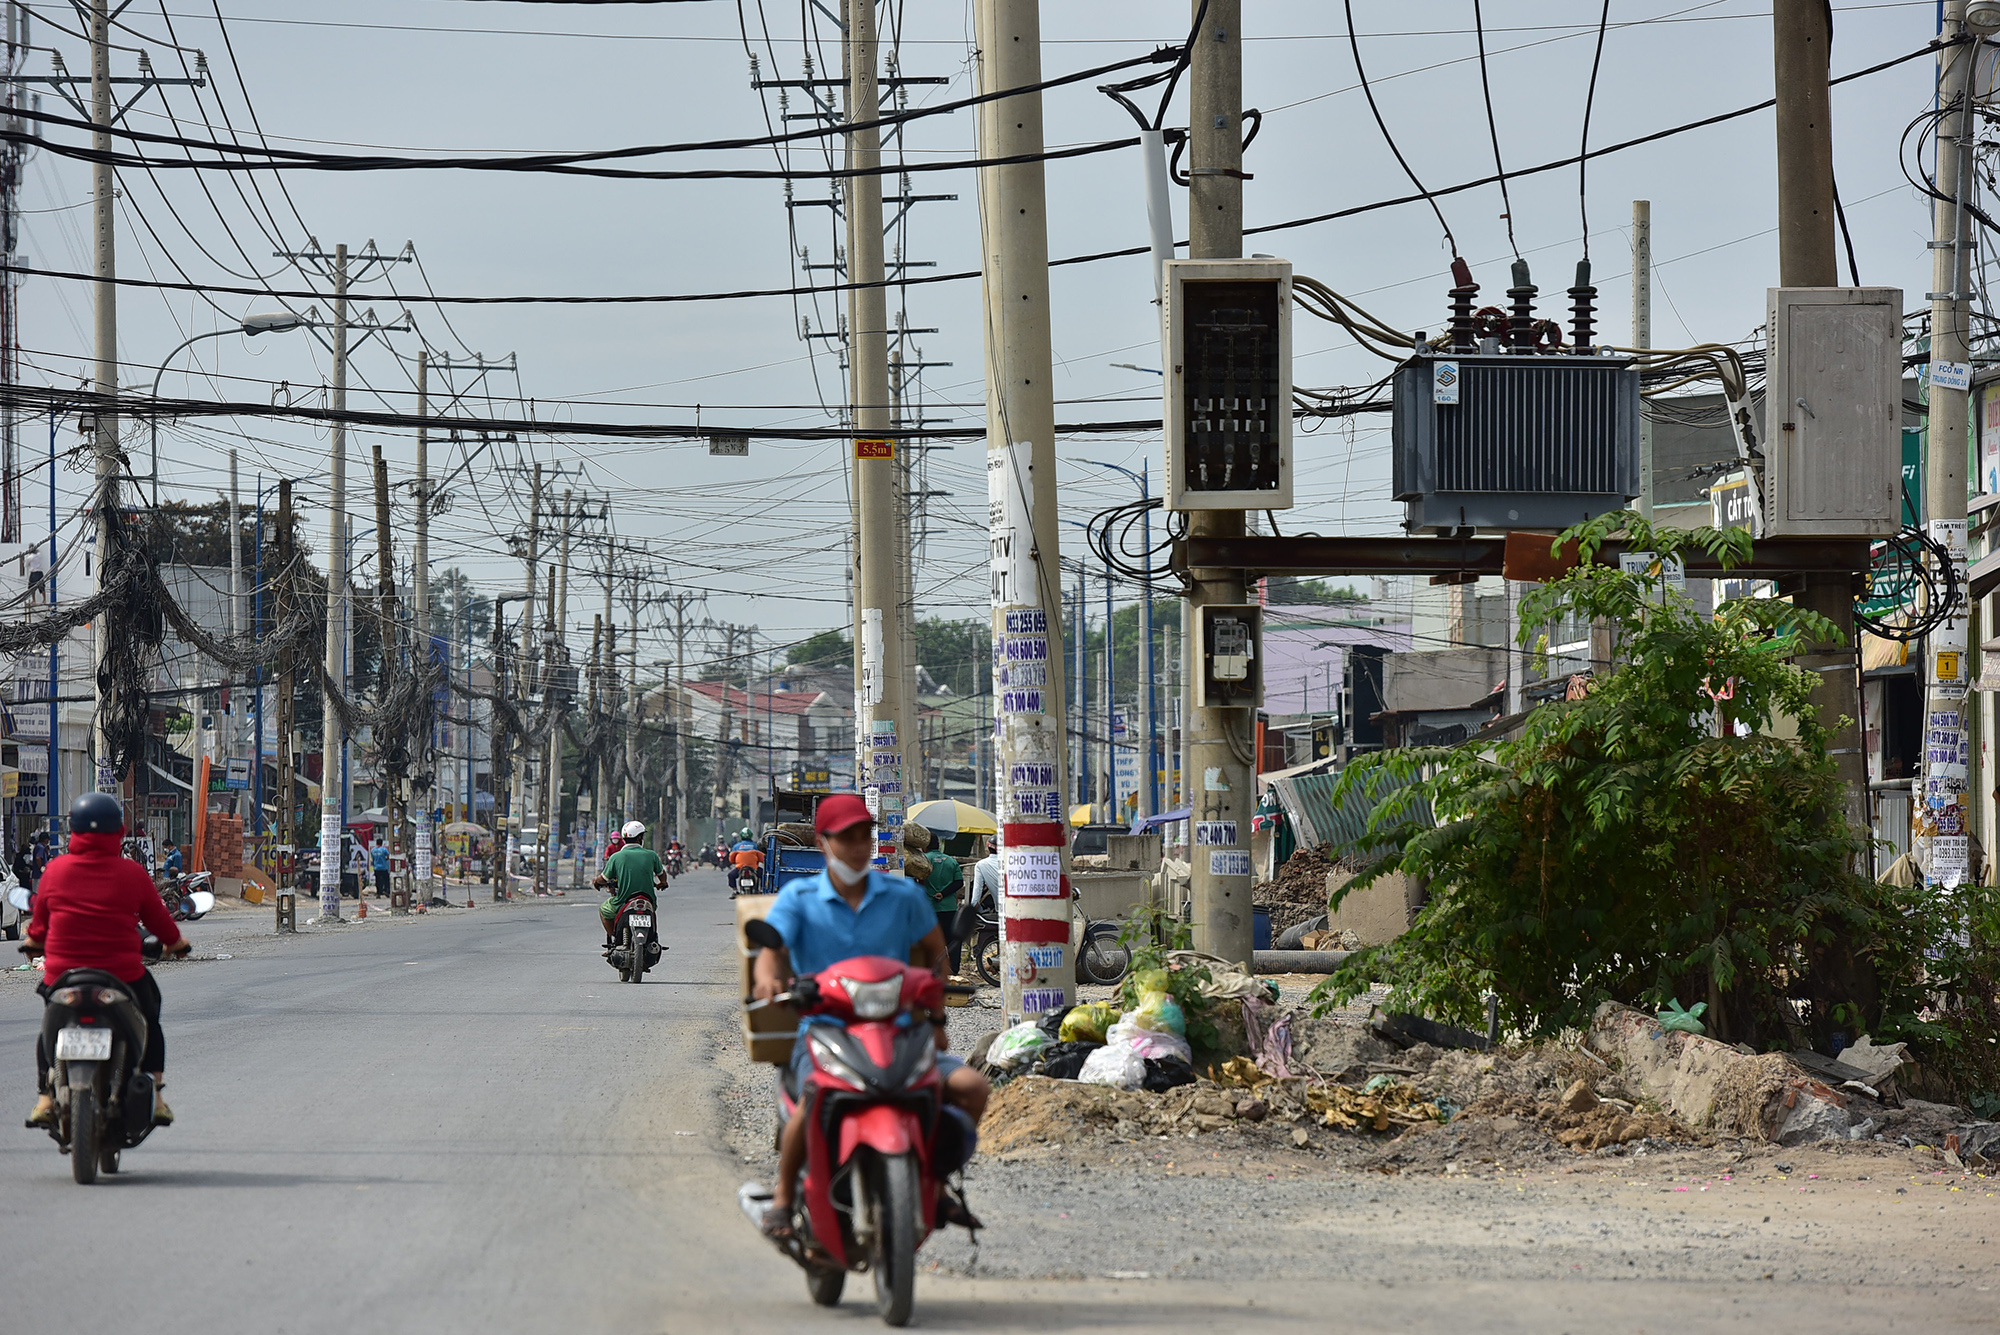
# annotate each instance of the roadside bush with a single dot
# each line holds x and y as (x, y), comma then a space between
(1662, 838)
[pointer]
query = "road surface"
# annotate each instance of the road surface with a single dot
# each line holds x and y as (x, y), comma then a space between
(464, 1123)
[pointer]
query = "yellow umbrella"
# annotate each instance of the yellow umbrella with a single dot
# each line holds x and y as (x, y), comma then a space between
(951, 816)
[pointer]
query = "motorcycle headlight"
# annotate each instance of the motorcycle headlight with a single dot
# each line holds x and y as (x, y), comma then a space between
(874, 1001)
(830, 1061)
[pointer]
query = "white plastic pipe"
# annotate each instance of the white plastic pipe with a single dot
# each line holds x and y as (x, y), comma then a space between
(1159, 209)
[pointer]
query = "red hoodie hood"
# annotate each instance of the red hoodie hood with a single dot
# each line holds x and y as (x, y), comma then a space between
(90, 842)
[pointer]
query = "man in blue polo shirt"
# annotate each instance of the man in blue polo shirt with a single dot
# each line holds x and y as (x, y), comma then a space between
(848, 910)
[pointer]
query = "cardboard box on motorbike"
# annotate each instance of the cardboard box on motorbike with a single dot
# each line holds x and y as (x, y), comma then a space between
(768, 1031)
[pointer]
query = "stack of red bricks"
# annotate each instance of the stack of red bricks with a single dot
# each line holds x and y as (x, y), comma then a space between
(222, 845)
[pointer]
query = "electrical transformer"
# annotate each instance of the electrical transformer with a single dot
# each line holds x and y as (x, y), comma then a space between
(1507, 440)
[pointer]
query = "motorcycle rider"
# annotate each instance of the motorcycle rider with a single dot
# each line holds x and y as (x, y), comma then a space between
(87, 911)
(633, 870)
(851, 909)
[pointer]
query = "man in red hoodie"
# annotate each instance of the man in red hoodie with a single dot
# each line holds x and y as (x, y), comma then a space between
(88, 909)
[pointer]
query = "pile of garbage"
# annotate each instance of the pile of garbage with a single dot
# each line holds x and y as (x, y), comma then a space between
(1097, 1043)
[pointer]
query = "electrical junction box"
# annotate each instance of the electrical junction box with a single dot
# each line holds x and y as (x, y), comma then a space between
(1228, 644)
(1833, 412)
(1228, 391)
(1513, 441)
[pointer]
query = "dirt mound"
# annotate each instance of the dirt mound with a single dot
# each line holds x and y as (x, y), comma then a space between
(1462, 1079)
(1302, 880)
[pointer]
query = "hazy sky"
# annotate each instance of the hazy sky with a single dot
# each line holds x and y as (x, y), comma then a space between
(762, 537)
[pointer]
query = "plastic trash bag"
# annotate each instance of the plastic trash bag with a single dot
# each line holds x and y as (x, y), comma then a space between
(1062, 1061)
(1157, 1010)
(1149, 980)
(1152, 1044)
(1016, 1045)
(1088, 1023)
(1114, 1064)
(1687, 1021)
(1050, 1023)
(1166, 1073)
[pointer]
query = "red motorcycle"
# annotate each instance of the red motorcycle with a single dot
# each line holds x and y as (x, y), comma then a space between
(869, 1197)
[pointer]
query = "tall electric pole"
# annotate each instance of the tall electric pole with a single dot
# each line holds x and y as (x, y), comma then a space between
(518, 796)
(1944, 469)
(332, 740)
(104, 431)
(1024, 546)
(1221, 741)
(885, 731)
(423, 754)
(1642, 334)
(1802, 35)
(13, 166)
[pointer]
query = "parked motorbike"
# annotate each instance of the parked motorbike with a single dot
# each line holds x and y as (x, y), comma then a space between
(875, 1154)
(1099, 959)
(189, 896)
(635, 939)
(94, 1029)
(13, 908)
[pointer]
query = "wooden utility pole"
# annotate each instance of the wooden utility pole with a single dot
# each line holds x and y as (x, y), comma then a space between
(1806, 258)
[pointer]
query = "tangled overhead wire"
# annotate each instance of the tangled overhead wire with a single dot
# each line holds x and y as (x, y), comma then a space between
(1114, 537)
(1912, 587)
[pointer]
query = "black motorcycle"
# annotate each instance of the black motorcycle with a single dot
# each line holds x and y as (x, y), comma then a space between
(96, 1034)
(635, 940)
(1101, 959)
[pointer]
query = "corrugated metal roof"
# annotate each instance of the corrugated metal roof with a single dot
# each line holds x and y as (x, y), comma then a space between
(1309, 802)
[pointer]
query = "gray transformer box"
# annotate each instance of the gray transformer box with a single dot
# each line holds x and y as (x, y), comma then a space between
(1833, 443)
(1505, 441)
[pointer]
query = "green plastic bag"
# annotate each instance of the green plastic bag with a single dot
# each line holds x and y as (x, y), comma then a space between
(1687, 1021)
(1087, 1024)
(1160, 1013)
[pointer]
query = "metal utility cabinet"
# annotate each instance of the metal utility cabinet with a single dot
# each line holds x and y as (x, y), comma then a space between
(1833, 412)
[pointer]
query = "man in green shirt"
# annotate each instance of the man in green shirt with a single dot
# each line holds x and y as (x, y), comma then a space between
(632, 870)
(941, 879)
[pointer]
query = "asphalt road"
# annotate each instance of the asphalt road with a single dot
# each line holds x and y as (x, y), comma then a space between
(463, 1122)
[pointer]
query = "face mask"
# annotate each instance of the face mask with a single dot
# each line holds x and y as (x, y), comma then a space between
(843, 873)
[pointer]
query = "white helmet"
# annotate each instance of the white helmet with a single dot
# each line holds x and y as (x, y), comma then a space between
(633, 830)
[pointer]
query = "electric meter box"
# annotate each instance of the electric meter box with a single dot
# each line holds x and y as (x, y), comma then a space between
(1833, 412)
(1228, 391)
(1229, 656)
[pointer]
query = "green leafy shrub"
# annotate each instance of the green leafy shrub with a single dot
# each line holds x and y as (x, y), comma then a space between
(1676, 832)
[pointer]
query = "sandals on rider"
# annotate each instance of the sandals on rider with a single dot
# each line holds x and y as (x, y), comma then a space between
(953, 1210)
(777, 1223)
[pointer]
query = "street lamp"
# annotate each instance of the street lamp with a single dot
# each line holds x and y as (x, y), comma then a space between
(272, 322)
(1148, 792)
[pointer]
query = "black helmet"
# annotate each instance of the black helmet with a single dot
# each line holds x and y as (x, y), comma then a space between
(96, 813)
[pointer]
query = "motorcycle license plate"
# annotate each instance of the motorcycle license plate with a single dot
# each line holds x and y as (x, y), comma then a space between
(83, 1045)
(641, 920)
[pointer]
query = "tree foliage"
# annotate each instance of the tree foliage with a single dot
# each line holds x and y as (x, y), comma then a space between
(1677, 833)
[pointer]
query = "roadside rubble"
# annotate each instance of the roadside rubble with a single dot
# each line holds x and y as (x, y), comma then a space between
(1297, 894)
(1352, 1087)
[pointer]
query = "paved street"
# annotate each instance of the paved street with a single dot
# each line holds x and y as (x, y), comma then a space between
(463, 1123)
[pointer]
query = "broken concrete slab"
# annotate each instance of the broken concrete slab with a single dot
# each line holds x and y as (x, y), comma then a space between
(1713, 1086)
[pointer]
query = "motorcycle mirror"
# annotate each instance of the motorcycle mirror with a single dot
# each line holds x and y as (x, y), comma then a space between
(762, 934)
(18, 897)
(203, 901)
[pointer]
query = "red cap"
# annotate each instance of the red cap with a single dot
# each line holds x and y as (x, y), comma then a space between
(839, 811)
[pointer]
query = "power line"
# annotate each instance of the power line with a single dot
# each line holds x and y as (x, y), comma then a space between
(1354, 43)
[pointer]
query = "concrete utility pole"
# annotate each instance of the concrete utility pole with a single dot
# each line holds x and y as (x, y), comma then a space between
(1944, 466)
(885, 731)
(104, 430)
(558, 651)
(1222, 769)
(421, 755)
(1037, 965)
(719, 807)
(287, 598)
(1806, 258)
(332, 732)
(1642, 334)
(683, 715)
(237, 711)
(518, 797)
